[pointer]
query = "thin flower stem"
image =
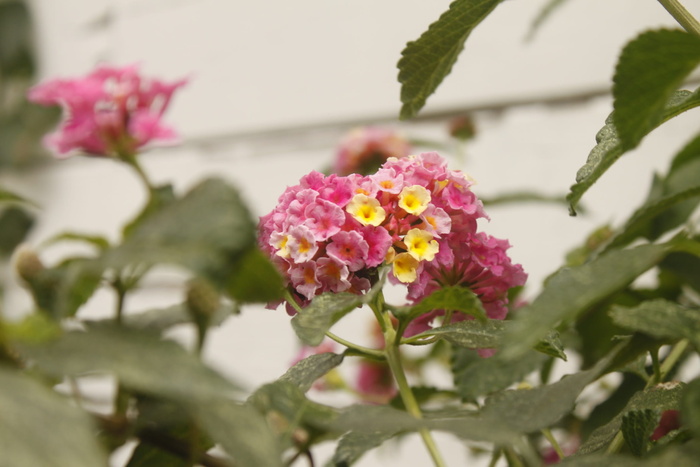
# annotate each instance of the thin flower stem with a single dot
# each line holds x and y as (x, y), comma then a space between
(682, 16)
(358, 348)
(409, 400)
(656, 377)
(553, 441)
(131, 160)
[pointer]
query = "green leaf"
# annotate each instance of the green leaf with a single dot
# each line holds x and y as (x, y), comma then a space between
(671, 201)
(529, 410)
(690, 406)
(146, 455)
(290, 411)
(312, 323)
(489, 335)
(33, 421)
(9, 196)
(254, 279)
(571, 291)
(140, 360)
(453, 298)
(204, 231)
(98, 241)
(609, 148)
(543, 15)
(425, 62)
(661, 397)
(650, 69)
(161, 319)
(353, 445)
(475, 376)
(661, 319)
(241, 431)
(15, 224)
(306, 372)
(63, 289)
(637, 427)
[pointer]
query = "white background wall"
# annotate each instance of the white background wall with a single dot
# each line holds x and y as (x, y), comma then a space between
(273, 86)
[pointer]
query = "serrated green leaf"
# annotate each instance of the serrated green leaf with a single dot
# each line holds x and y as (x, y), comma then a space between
(241, 431)
(453, 298)
(488, 335)
(32, 427)
(306, 372)
(650, 69)
(637, 427)
(425, 62)
(661, 319)
(322, 313)
(571, 291)
(661, 397)
(475, 376)
(530, 410)
(140, 361)
(204, 231)
(685, 455)
(609, 148)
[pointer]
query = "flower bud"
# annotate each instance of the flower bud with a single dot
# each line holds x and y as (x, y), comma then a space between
(203, 300)
(28, 264)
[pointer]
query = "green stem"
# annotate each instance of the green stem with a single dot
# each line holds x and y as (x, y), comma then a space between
(394, 359)
(131, 160)
(682, 16)
(359, 348)
(553, 441)
(656, 377)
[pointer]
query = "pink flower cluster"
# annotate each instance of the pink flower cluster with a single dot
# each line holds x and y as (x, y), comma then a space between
(330, 233)
(110, 112)
(364, 149)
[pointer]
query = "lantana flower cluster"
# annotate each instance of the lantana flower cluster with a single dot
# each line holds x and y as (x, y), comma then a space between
(330, 233)
(364, 149)
(112, 111)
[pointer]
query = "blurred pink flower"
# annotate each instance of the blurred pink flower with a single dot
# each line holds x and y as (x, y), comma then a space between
(110, 112)
(364, 149)
(670, 420)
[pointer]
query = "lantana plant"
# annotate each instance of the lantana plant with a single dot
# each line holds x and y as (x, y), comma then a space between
(333, 245)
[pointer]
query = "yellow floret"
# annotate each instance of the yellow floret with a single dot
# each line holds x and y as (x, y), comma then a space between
(405, 267)
(414, 199)
(366, 210)
(421, 245)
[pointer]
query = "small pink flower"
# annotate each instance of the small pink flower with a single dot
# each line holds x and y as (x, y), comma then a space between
(110, 112)
(348, 248)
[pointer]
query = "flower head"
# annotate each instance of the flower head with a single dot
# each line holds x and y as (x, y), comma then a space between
(110, 112)
(330, 233)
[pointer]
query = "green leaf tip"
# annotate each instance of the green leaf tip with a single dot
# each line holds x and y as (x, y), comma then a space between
(609, 147)
(650, 69)
(426, 61)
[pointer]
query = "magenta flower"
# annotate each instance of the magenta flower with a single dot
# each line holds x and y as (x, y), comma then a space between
(329, 234)
(364, 149)
(110, 112)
